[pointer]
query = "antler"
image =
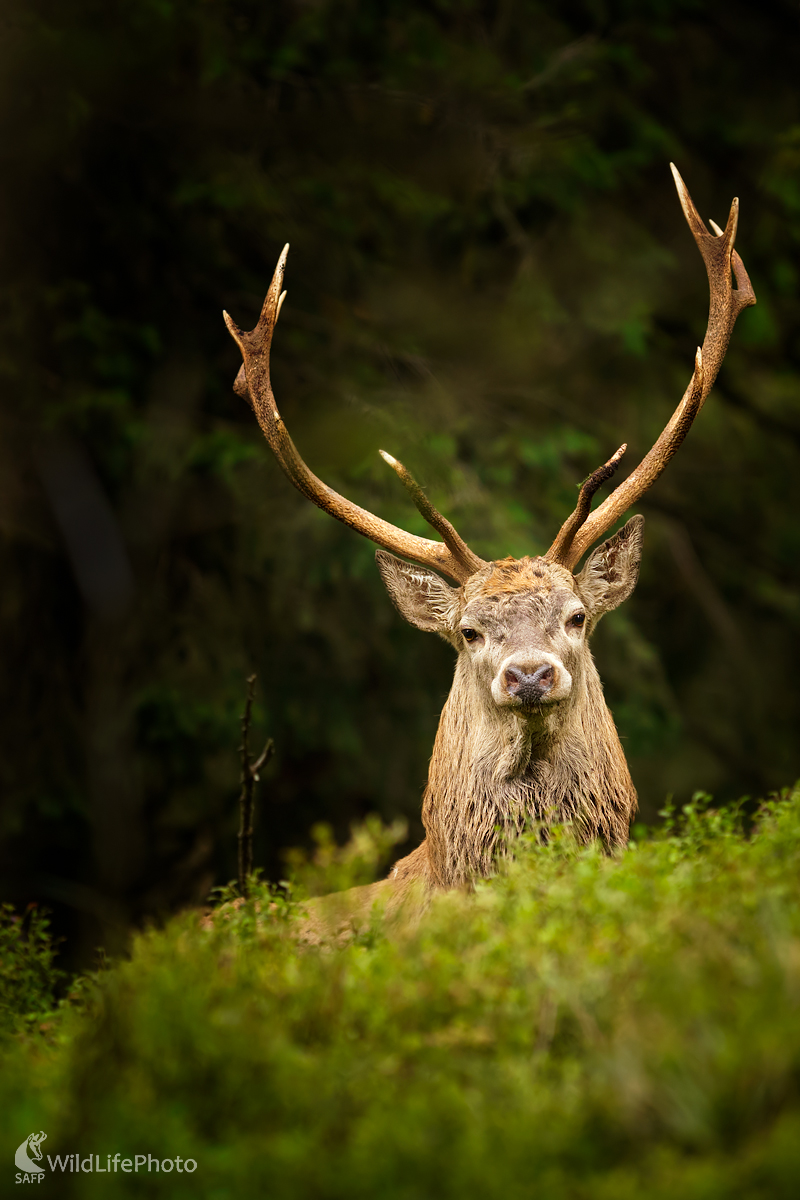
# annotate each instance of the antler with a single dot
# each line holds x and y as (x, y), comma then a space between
(453, 558)
(580, 530)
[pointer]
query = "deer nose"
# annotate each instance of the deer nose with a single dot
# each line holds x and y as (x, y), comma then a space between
(529, 688)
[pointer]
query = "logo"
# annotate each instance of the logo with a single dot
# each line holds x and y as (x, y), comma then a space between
(33, 1143)
(29, 1155)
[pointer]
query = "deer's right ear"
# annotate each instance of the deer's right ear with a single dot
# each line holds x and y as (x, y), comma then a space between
(420, 595)
(612, 570)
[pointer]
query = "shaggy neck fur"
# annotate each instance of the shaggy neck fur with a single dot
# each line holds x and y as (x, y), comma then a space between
(493, 772)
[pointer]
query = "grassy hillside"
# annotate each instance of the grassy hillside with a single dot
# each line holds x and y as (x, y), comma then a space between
(579, 1027)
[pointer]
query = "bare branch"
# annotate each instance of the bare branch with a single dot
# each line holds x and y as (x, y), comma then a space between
(249, 777)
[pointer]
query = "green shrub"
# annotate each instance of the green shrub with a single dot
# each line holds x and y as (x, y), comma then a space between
(28, 976)
(581, 1026)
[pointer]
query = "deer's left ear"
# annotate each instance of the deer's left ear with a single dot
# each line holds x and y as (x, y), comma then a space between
(612, 570)
(420, 595)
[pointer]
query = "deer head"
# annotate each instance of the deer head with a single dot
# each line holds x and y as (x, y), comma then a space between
(525, 732)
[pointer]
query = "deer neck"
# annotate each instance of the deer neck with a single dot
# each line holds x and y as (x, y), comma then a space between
(493, 772)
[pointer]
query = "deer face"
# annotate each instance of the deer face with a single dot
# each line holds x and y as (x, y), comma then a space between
(522, 630)
(520, 625)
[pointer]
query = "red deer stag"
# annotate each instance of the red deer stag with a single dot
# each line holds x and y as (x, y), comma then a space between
(525, 732)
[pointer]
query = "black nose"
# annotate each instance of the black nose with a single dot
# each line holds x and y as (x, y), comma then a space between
(530, 688)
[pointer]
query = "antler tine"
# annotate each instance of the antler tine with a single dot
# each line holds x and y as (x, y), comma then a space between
(261, 337)
(560, 549)
(452, 539)
(725, 304)
(453, 558)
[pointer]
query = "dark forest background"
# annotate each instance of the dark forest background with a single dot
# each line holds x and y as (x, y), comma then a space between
(491, 278)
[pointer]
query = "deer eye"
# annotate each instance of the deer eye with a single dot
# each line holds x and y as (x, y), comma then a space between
(576, 620)
(470, 635)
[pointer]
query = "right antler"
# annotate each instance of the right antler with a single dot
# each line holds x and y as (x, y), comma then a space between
(580, 530)
(454, 558)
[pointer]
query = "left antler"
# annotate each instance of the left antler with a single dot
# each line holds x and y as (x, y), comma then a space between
(452, 555)
(581, 530)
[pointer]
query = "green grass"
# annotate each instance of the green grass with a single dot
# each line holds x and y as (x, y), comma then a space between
(581, 1026)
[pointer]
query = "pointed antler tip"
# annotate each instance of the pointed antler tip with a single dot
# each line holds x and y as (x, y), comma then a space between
(400, 469)
(731, 225)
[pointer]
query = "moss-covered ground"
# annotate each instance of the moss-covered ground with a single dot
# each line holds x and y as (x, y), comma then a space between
(580, 1026)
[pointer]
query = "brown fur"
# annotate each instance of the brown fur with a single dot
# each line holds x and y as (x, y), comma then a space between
(497, 766)
(510, 576)
(481, 792)
(495, 771)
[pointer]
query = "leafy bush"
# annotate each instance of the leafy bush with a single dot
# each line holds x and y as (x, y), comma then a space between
(333, 868)
(579, 1026)
(28, 976)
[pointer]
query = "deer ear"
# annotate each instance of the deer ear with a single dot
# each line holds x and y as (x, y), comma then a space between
(420, 595)
(612, 570)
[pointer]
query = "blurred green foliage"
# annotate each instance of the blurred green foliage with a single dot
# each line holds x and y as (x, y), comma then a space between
(28, 974)
(490, 277)
(580, 1026)
(335, 868)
